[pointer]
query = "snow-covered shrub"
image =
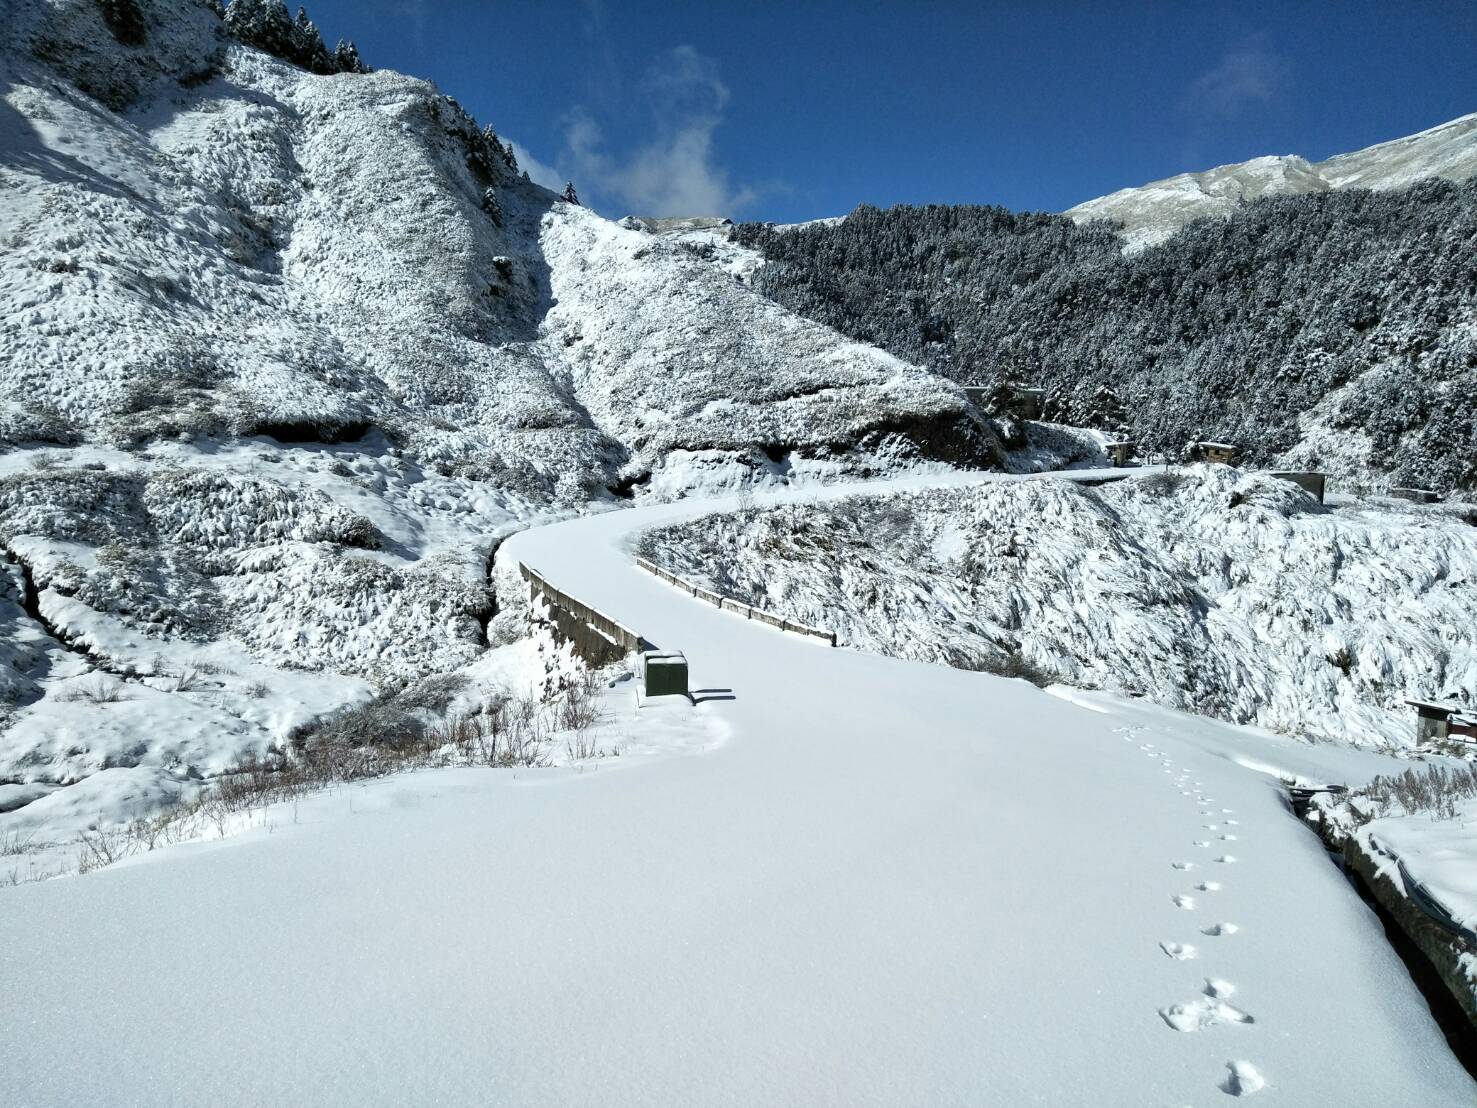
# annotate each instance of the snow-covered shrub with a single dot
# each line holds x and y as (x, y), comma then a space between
(35, 422)
(160, 593)
(315, 609)
(433, 694)
(218, 510)
(71, 505)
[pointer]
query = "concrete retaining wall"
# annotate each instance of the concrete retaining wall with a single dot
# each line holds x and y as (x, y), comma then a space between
(614, 631)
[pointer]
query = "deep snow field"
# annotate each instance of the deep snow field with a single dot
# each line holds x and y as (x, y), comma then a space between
(1234, 595)
(878, 881)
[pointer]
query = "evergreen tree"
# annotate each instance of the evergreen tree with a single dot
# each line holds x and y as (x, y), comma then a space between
(346, 57)
(569, 194)
(311, 54)
(264, 24)
(1233, 329)
(491, 206)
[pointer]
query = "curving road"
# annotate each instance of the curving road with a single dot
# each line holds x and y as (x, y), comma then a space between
(891, 883)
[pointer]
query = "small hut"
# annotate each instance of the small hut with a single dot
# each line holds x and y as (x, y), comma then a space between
(1119, 452)
(1433, 721)
(1307, 480)
(1223, 453)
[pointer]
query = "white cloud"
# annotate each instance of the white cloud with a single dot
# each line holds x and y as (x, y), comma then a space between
(1249, 75)
(676, 172)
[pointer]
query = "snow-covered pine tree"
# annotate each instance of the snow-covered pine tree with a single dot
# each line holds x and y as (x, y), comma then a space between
(312, 54)
(346, 57)
(569, 195)
(266, 25)
(491, 206)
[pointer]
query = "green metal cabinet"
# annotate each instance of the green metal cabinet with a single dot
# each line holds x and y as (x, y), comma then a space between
(665, 674)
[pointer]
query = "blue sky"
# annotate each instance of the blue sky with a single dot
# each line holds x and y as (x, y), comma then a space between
(790, 111)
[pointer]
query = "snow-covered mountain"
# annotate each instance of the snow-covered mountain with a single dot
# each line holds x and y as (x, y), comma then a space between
(1151, 213)
(286, 351)
(250, 247)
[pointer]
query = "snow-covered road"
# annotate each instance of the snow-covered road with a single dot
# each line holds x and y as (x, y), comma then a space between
(893, 883)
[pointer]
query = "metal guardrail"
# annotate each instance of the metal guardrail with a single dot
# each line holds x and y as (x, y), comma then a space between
(613, 630)
(728, 604)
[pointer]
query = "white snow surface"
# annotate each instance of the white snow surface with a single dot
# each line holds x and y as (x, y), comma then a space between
(1209, 590)
(1152, 213)
(894, 883)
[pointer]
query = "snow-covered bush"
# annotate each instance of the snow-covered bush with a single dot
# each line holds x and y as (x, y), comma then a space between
(215, 510)
(71, 505)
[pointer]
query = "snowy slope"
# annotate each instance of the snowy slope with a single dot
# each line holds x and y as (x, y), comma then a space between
(269, 250)
(1151, 213)
(274, 381)
(1206, 590)
(895, 883)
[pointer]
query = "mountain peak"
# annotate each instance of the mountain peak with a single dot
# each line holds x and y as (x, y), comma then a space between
(1151, 213)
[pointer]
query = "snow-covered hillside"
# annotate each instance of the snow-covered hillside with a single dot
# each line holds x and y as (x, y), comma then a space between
(1205, 590)
(283, 355)
(251, 247)
(1151, 213)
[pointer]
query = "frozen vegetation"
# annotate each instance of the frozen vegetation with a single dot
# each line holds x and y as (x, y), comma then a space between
(889, 883)
(1203, 589)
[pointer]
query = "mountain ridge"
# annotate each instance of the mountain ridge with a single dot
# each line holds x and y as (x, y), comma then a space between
(1152, 212)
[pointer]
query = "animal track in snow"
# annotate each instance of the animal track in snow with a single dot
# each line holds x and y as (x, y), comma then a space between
(1201, 842)
(1208, 1010)
(1209, 886)
(1183, 865)
(1183, 901)
(1243, 1079)
(1228, 838)
(1232, 822)
(1217, 929)
(1180, 952)
(1228, 859)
